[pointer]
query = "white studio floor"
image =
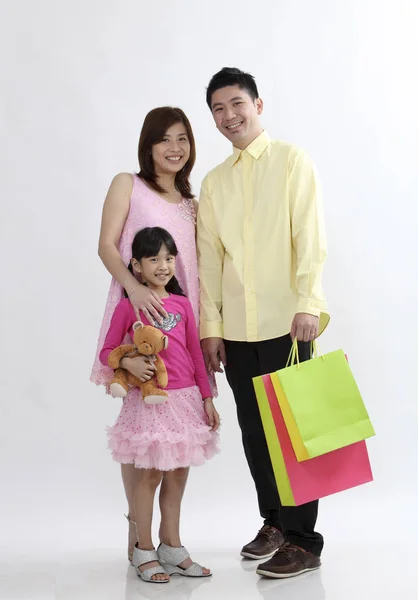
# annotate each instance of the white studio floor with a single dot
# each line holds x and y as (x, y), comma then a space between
(347, 573)
(350, 571)
(79, 553)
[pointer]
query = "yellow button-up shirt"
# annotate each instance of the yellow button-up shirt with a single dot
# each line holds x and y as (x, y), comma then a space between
(261, 243)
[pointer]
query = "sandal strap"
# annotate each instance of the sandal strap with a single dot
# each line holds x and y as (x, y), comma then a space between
(148, 573)
(172, 556)
(141, 557)
(195, 570)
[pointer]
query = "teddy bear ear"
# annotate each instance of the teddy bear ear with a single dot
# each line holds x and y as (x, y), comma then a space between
(138, 325)
(165, 340)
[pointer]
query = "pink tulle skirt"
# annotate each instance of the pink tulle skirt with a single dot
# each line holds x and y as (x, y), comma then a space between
(163, 436)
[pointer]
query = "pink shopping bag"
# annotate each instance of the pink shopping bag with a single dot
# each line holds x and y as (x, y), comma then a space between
(317, 477)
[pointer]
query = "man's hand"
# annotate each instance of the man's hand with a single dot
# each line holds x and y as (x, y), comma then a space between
(304, 327)
(214, 353)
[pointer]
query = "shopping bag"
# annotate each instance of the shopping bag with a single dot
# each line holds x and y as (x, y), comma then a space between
(321, 404)
(302, 482)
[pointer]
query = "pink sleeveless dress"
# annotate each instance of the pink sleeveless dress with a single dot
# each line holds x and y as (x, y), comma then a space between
(174, 434)
(148, 209)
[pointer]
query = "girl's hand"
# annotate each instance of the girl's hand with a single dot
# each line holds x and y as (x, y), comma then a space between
(139, 367)
(212, 414)
(142, 298)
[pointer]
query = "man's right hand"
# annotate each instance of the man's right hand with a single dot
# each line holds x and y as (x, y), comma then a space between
(214, 353)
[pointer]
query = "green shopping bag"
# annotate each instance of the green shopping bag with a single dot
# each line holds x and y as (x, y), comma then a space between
(321, 404)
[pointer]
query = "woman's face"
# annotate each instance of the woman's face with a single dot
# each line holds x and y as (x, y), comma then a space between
(172, 153)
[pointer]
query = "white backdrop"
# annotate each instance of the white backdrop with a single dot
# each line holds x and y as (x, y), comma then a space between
(337, 78)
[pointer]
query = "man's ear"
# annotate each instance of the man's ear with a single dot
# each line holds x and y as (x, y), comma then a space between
(138, 325)
(260, 106)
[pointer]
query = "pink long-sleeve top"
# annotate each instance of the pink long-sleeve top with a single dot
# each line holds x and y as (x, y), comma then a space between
(183, 356)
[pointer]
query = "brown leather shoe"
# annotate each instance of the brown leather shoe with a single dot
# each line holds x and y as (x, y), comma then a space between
(289, 561)
(265, 544)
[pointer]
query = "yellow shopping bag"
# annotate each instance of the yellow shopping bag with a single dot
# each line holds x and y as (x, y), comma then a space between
(321, 404)
(277, 461)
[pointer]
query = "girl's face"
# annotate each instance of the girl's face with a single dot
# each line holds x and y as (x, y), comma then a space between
(156, 271)
(172, 153)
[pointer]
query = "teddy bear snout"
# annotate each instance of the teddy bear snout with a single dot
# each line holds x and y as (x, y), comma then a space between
(147, 348)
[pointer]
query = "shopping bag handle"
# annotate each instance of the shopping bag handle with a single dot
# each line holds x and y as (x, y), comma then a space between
(294, 353)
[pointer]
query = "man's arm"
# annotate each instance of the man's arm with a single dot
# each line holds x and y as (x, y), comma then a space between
(309, 243)
(211, 257)
(211, 254)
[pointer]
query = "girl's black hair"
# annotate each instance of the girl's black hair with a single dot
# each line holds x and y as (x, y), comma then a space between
(146, 243)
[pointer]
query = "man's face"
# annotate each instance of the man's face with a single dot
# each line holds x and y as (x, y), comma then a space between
(236, 115)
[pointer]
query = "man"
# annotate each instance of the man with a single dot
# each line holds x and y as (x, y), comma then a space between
(261, 245)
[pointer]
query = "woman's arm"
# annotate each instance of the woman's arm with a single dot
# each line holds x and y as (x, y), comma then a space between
(115, 212)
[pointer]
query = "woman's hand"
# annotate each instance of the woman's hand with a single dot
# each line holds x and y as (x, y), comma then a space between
(212, 414)
(139, 367)
(142, 298)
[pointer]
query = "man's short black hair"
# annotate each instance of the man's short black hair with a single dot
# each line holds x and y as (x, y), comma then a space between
(231, 76)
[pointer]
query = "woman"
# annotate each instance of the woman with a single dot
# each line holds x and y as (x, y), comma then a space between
(158, 196)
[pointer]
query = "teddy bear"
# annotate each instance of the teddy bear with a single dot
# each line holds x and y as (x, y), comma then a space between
(148, 341)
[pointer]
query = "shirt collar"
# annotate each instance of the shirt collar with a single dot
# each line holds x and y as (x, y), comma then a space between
(255, 149)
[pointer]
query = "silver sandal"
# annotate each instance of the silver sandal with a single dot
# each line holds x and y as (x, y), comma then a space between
(170, 558)
(130, 553)
(141, 557)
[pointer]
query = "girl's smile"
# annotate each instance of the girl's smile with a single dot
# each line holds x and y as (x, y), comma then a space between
(156, 271)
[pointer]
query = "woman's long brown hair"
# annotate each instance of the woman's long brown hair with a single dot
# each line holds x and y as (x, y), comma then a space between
(155, 127)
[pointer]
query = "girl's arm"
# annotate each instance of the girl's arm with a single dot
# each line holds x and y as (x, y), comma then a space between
(201, 376)
(115, 212)
(193, 346)
(121, 322)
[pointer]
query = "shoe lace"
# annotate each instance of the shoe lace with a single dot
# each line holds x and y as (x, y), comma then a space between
(268, 532)
(288, 549)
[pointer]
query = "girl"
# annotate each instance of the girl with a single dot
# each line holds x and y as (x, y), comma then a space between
(159, 195)
(162, 441)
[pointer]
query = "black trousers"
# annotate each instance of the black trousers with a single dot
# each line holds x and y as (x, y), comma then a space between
(246, 360)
